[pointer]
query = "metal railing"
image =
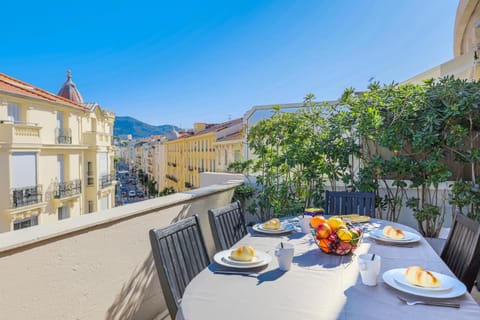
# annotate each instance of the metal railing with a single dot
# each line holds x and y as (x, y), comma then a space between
(64, 135)
(170, 177)
(67, 189)
(25, 196)
(106, 180)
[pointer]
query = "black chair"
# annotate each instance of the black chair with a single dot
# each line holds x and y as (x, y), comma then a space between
(180, 254)
(228, 225)
(342, 202)
(462, 249)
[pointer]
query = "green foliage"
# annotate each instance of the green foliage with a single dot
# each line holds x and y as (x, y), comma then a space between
(166, 191)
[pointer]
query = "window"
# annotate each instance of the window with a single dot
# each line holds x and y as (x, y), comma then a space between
(90, 174)
(13, 112)
(91, 206)
(25, 223)
(104, 203)
(63, 213)
(93, 125)
(226, 157)
(24, 169)
(237, 155)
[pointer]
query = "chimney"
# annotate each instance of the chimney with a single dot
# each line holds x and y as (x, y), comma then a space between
(199, 126)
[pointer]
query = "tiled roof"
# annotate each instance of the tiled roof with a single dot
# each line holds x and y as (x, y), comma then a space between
(234, 136)
(12, 85)
(219, 126)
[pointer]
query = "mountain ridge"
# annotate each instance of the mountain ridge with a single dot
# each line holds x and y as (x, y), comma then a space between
(139, 129)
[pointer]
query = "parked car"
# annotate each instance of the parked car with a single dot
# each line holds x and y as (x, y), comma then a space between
(139, 193)
(131, 193)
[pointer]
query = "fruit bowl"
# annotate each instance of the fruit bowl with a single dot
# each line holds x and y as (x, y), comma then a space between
(334, 236)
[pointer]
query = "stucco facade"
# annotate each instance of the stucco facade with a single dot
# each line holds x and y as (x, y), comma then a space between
(50, 154)
(466, 47)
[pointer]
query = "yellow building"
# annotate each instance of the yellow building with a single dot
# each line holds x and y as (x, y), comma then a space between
(195, 152)
(466, 46)
(56, 155)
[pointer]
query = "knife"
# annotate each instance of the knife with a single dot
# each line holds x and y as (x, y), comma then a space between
(240, 273)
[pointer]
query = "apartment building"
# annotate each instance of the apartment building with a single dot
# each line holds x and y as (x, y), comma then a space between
(195, 152)
(466, 47)
(56, 154)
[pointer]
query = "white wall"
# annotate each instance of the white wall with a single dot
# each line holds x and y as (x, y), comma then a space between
(96, 266)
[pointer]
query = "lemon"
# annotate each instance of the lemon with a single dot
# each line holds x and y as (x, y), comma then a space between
(335, 223)
(344, 235)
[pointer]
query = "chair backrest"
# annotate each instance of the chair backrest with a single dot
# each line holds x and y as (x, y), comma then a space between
(462, 249)
(342, 202)
(180, 254)
(228, 225)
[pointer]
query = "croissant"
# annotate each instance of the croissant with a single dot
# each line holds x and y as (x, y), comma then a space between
(273, 224)
(393, 233)
(422, 278)
(243, 253)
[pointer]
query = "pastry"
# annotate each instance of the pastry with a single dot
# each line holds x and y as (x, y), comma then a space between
(243, 253)
(420, 277)
(272, 224)
(393, 233)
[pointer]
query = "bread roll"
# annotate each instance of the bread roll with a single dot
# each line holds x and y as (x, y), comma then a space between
(273, 224)
(393, 233)
(419, 277)
(243, 253)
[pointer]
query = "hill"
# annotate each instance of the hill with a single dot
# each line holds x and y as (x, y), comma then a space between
(139, 129)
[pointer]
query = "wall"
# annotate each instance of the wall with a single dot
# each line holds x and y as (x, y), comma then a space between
(96, 266)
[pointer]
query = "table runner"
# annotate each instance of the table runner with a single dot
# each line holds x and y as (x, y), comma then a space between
(318, 286)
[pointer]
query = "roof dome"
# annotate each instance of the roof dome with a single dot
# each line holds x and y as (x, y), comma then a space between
(69, 90)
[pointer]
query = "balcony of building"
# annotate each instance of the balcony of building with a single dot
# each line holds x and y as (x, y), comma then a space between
(25, 196)
(67, 189)
(106, 180)
(19, 132)
(63, 135)
(114, 280)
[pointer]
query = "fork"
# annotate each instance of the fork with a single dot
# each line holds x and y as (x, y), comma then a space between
(238, 273)
(429, 303)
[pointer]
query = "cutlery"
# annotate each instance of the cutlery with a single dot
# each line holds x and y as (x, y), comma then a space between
(240, 273)
(429, 303)
(394, 244)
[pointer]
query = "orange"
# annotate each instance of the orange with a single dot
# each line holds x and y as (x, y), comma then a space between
(323, 244)
(335, 223)
(317, 220)
(323, 230)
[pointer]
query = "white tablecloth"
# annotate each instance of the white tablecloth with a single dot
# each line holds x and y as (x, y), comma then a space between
(318, 286)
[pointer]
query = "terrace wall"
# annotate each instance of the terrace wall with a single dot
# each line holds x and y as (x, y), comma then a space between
(96, 266)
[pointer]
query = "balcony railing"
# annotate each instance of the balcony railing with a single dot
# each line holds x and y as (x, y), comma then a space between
(170, 177)
(188, 185)
(67, 189)
(64, 135)
(190, 168)
(106, 180)
(26, 196)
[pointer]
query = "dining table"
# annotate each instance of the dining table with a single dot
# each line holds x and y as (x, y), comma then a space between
(319, 285)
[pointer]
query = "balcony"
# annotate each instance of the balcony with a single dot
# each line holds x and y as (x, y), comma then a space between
(63, 135)
(26, 196)
(172, 178)
(106, 180)
(67, 189)
(19, 132)
(188, 185)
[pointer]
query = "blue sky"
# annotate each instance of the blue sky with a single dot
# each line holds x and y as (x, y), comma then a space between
(180, 62)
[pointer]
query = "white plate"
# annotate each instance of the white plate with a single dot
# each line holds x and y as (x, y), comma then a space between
(283, 228)
(446, 282)
(410, 237)
(457, 290)
(223, 258)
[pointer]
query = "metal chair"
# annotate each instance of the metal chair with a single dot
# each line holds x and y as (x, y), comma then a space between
(228, 225)
(180, 254)
(462, 250)
(342, 202)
